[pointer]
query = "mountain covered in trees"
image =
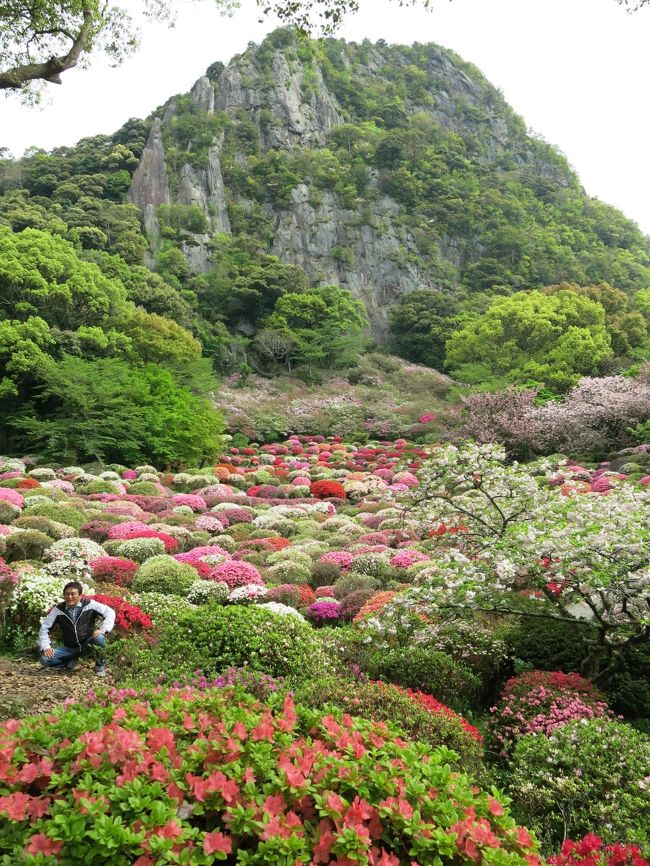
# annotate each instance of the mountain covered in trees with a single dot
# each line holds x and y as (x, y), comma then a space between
(302, 201)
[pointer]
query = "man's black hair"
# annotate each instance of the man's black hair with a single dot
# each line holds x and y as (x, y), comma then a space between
(74, 584)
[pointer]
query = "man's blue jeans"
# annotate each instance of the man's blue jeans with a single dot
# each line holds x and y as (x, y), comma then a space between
(64, 654)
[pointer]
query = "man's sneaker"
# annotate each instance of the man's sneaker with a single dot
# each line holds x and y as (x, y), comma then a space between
(71, 665)
(100, 672)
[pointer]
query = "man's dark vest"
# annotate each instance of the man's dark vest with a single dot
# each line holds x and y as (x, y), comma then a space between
(75, 633)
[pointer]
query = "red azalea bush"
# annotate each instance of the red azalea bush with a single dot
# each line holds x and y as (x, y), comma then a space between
(203, 569)
(433, 706)
(541, 701)
(114, 569)
(128, 617)
(326, 489)
(194, 776)
(28, 484)
(590, 851)
(307, 594)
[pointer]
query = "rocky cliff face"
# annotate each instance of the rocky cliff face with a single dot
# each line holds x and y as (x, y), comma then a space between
(284, 101)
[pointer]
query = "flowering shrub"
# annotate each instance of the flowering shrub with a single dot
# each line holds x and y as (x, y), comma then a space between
(352, 603)
(204, 591)
(375, 604)
(261, 686)
(170, 544)
(431, 705)
(127, 529)
(342, 558)
(13, 497)
(164, 574)
(140, 549)
(406, 558)
(128, 617)
(247, 594)
(432, 672)
(114, 569)
(281, 609)
(329, 786)
(202, 552)
(591, 851)
(588, 774)
(236, 574)
(321, 612)
(192, 500)
(538, 702)
(209, 523)
(84, 548)
(326, 489)
(285, 593)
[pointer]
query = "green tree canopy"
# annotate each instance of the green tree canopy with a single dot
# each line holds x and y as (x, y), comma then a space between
(420, 325)
(627, 327)
(532, 338)
(325, 324)
(110, 410)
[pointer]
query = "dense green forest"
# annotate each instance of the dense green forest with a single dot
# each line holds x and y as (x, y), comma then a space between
(554, 282)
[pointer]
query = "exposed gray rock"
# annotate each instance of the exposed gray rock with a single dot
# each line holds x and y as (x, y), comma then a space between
(150, 185)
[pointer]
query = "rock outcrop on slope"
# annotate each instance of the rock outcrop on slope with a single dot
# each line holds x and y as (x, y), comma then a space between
(380, 168)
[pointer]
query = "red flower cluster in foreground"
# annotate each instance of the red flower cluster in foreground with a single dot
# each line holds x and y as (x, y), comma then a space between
(589, 851)
(128, 617)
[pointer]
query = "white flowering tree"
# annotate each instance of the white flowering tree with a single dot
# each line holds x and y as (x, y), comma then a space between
(532, 551)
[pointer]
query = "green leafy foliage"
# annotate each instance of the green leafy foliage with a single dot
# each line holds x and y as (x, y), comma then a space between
(589, 774)
(428, 671)
(532, 338)
(212, 638)
(108, 409)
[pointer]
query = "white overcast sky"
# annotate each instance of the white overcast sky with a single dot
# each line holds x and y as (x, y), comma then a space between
(577, 71)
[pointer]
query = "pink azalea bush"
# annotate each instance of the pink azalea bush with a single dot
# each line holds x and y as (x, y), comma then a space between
(198, 553)
(406, 558)
(192, 500)
(539, 702)
(125, 530)
(208, 523)
(13, 497)
(323, 612)
(236, 574)
(342, 558)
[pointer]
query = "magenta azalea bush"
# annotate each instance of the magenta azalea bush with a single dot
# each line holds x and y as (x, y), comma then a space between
(321, 612)
(196, 776)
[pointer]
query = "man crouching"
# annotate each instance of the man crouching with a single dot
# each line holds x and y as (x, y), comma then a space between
(76, 617)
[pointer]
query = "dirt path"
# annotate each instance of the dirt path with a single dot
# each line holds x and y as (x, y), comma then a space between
(26, 688)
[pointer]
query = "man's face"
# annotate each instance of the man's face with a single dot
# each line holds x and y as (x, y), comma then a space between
(71, 596)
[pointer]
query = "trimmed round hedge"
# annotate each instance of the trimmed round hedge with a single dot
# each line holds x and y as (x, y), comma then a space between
(213, 638)
(587, 776)
(164, 574)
